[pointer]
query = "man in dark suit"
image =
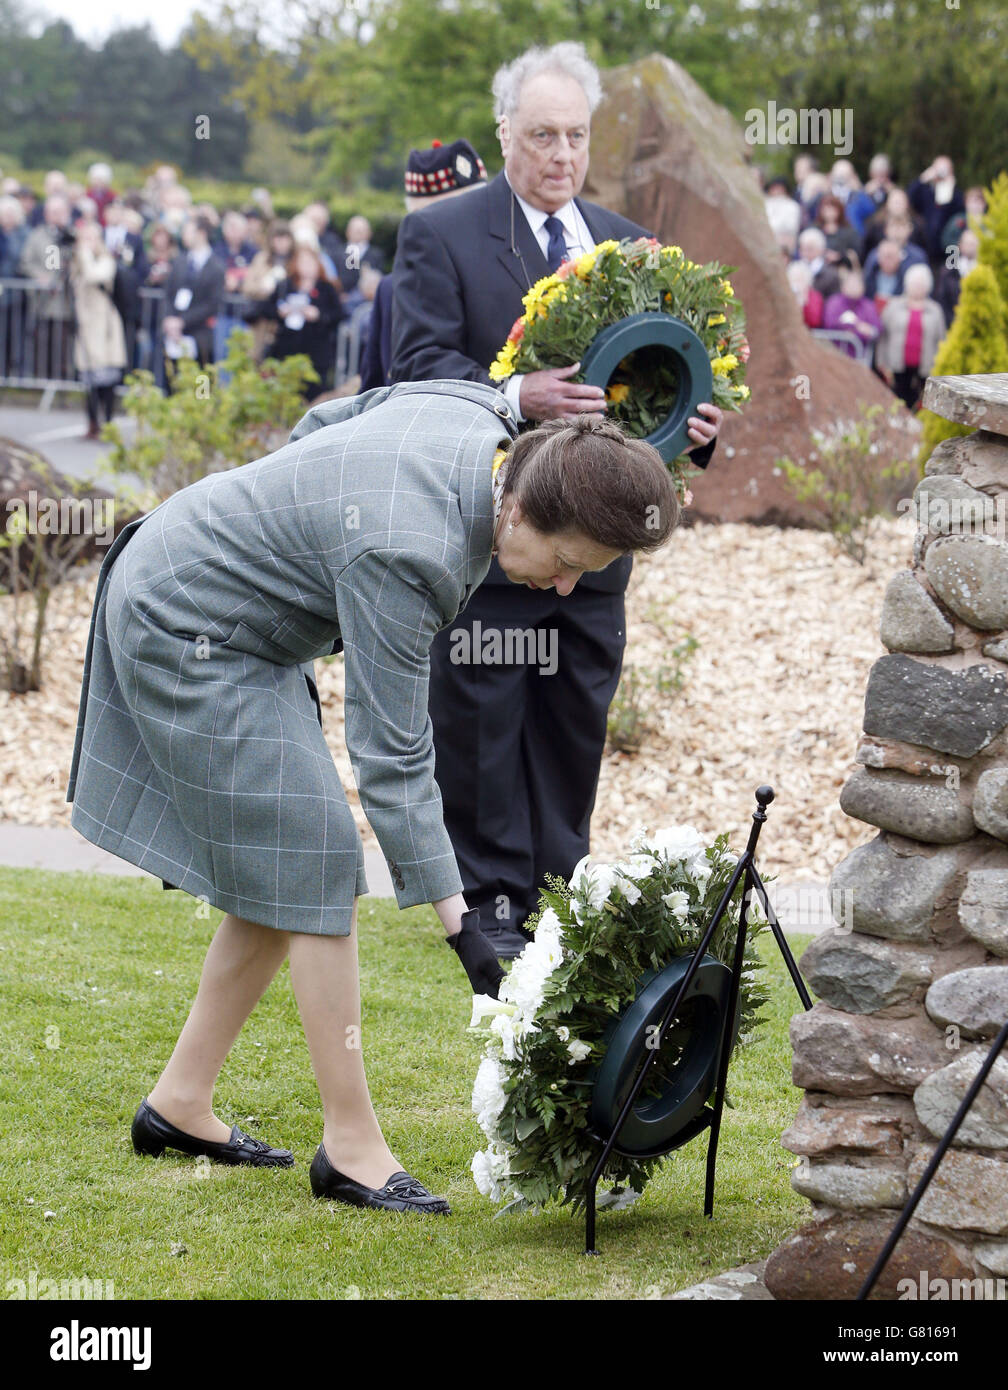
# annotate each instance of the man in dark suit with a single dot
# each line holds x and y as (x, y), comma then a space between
(443, 171)
(358, 253)
(193, 293)
(518, 747)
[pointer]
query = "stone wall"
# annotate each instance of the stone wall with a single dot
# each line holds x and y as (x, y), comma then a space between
(913, 981)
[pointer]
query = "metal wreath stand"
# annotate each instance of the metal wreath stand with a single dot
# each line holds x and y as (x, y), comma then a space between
(680, 1112)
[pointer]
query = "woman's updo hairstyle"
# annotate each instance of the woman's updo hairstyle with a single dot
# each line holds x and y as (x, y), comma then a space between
(590, 477)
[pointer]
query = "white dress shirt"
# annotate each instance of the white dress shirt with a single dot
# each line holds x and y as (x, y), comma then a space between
(578, 239)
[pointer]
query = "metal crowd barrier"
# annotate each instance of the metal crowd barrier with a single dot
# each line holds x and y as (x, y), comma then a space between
(838, 336)
(37, 332)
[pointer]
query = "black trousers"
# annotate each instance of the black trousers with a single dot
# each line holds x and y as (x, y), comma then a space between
(518, 745)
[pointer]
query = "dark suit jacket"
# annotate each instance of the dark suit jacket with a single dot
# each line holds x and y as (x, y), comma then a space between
(207, 285)
(378, 348)
(132, 269)
(459, 287)
(350, 274)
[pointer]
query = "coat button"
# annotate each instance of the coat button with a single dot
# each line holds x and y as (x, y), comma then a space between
(503, 410)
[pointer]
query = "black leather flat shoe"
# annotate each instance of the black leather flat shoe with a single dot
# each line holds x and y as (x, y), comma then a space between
(152, 1134)
(400, 1193)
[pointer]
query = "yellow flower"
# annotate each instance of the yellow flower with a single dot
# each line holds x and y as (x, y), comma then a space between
(617, 394)
(503, 365)
(743, 393)
(721, 366)
(539, 289)
(727, 289)
(669, 253)
(715, 318)
(585, 264)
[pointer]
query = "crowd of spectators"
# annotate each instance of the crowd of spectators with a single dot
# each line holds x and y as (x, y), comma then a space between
(872, 260)
(90, 252)
(876, 261)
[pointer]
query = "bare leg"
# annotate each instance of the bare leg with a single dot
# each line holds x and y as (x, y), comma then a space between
(326, 985)
(242, 959)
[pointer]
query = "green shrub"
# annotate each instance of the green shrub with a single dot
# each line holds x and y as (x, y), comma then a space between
(214, 417)
(844, 482)
(975, 344)
(632, 714)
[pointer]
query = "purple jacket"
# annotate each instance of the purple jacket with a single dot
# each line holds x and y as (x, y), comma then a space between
(867, 327)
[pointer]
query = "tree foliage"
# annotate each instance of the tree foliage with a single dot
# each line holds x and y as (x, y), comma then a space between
(974, 345)
(356, 83)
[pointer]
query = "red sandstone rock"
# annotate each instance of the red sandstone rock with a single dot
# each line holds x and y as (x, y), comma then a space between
(831, 1259)
(667, 156)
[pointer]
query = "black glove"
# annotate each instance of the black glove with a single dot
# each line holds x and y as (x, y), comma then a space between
(478, 957)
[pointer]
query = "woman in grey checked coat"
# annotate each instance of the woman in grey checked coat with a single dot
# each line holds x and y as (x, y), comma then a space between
(199, 753)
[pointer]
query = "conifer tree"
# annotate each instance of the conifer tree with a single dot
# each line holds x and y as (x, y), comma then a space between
(975, 344)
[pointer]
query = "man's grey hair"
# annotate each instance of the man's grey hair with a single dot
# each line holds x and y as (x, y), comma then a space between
(568, 58)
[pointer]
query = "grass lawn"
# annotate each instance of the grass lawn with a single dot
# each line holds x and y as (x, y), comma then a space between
(96, 976)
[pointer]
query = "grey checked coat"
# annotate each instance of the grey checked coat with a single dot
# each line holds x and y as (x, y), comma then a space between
(199, 754)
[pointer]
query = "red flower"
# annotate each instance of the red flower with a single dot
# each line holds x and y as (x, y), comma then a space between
(564, 270)
(517, 331)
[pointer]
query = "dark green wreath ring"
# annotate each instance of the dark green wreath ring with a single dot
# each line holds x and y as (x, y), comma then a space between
(608, 349)
(659, 1123)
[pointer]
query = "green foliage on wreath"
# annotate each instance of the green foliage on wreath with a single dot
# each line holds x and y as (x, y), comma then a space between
(545, 1117)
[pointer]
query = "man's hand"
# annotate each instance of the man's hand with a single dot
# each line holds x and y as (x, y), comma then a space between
(703, 431)
(548, 395)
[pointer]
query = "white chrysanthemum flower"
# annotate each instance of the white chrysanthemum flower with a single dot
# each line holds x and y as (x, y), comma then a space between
(625, 882)
(550, 923)
(592, 884)
(563, 1032)
(488, 1096)
(640, 865)
(679, 842)
(699, 869)
(525, 984)
(678, 902)
(578, 1051)
(504, 1028)
(489, 1169)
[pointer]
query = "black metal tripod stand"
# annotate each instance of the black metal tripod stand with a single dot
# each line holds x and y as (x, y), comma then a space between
(710, 1116)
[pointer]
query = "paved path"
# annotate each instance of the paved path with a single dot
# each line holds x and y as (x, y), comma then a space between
(800, 907)
(742, 1285)
(58, 435)
(56, 847)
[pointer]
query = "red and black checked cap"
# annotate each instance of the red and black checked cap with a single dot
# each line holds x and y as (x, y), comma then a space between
(442, 169)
